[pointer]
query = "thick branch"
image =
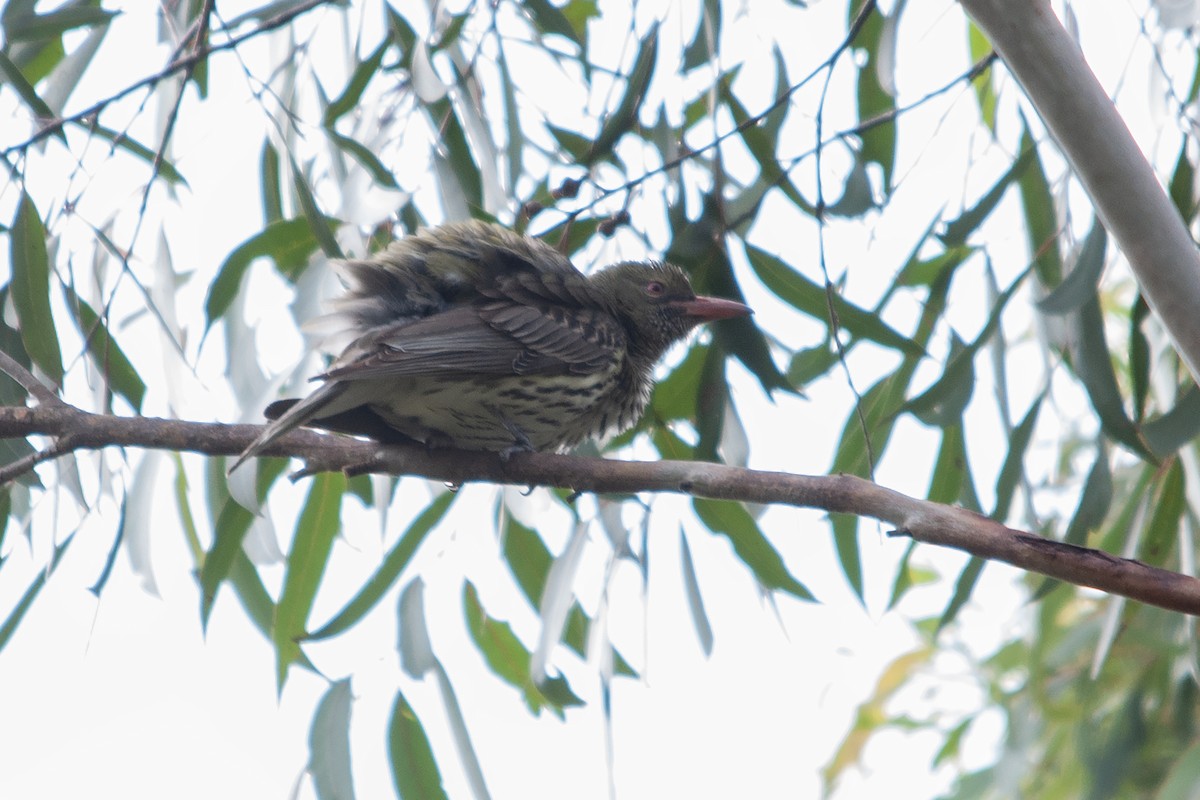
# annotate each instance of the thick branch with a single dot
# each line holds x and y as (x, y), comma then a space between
(932, 523)
(1093, 137)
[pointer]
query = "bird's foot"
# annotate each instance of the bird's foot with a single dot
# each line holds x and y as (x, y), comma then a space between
(517, 447)
(521, 443)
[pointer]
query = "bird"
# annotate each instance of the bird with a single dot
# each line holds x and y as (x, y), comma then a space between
(469, 335)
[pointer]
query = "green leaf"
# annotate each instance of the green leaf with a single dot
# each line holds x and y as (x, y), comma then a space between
(31, 290)
(963, 587)
(733, 521)
(908, 576)
(1014, 461)
(319, 523)
(52, 24)
(692, 246)
(349, 98)
(879, 141)
(509, 659)
(319, 225)
(166, 170)
(625, 117)
(708, 34)
(984, 84)
(414, 770)
(812, 299)
(513, 134)
(578, 14)
(1041, 222)
(529, 560)
(1083, 281)
(1139, 361)
(289, 243)
(674, 397)
(550, 19)
(13, 620)
(1177, 427)
(942, 404)
(958, 230)
(1166, 518)
(397, 558)
(366, 159)
(811, 363)
(1093, 364)
(108, 357)
(11, 74)
(712, 398)
(946, 483)
(1094, 501)
(229, 532)
(455, 152)
(270, 180)
(578, 147)
(1183, 181)
(760, 140)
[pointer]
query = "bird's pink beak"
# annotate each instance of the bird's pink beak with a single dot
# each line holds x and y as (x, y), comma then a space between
(706, 309)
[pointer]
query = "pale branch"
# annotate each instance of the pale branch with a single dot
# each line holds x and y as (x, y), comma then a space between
(1127, 195)
(924, 521)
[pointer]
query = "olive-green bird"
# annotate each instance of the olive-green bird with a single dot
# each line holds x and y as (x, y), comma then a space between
(468, 335)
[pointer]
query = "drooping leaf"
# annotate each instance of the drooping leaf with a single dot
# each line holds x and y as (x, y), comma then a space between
(289, 243)
(1083, 281)
(958, 230)
(414, 770)
(879, 141)
(1013, 468)
(1041, 223)
(807, 296)
(319, 523)
(166, 170)
(31, 289)
(105, 353)
(363, 72)
(10, 624)
(319, 225)
(625, 116)
(389, 571)
(508, 657)
(752, 547)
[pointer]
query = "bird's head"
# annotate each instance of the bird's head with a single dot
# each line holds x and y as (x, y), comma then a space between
(656, 303)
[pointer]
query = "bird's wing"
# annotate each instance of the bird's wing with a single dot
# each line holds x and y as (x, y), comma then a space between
(496, 338)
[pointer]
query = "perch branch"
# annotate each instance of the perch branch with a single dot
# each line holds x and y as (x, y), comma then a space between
(925, 521)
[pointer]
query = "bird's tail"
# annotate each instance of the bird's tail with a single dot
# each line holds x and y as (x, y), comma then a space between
(321, 403)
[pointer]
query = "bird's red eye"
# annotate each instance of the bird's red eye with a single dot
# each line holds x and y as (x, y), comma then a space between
(655, 288)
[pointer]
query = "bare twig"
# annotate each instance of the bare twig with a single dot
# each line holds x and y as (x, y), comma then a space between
(188, 62)
(40, 391)
(925, 521)
(15, 469)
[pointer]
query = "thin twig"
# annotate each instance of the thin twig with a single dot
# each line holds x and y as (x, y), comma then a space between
(189, 61)
(40, 391)
(15, 469)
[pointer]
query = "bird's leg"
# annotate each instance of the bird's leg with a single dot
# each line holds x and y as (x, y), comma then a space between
(521, 443)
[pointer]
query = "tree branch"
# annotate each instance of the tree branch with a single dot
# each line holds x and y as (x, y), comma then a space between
(1112, 168)
(925, 521)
